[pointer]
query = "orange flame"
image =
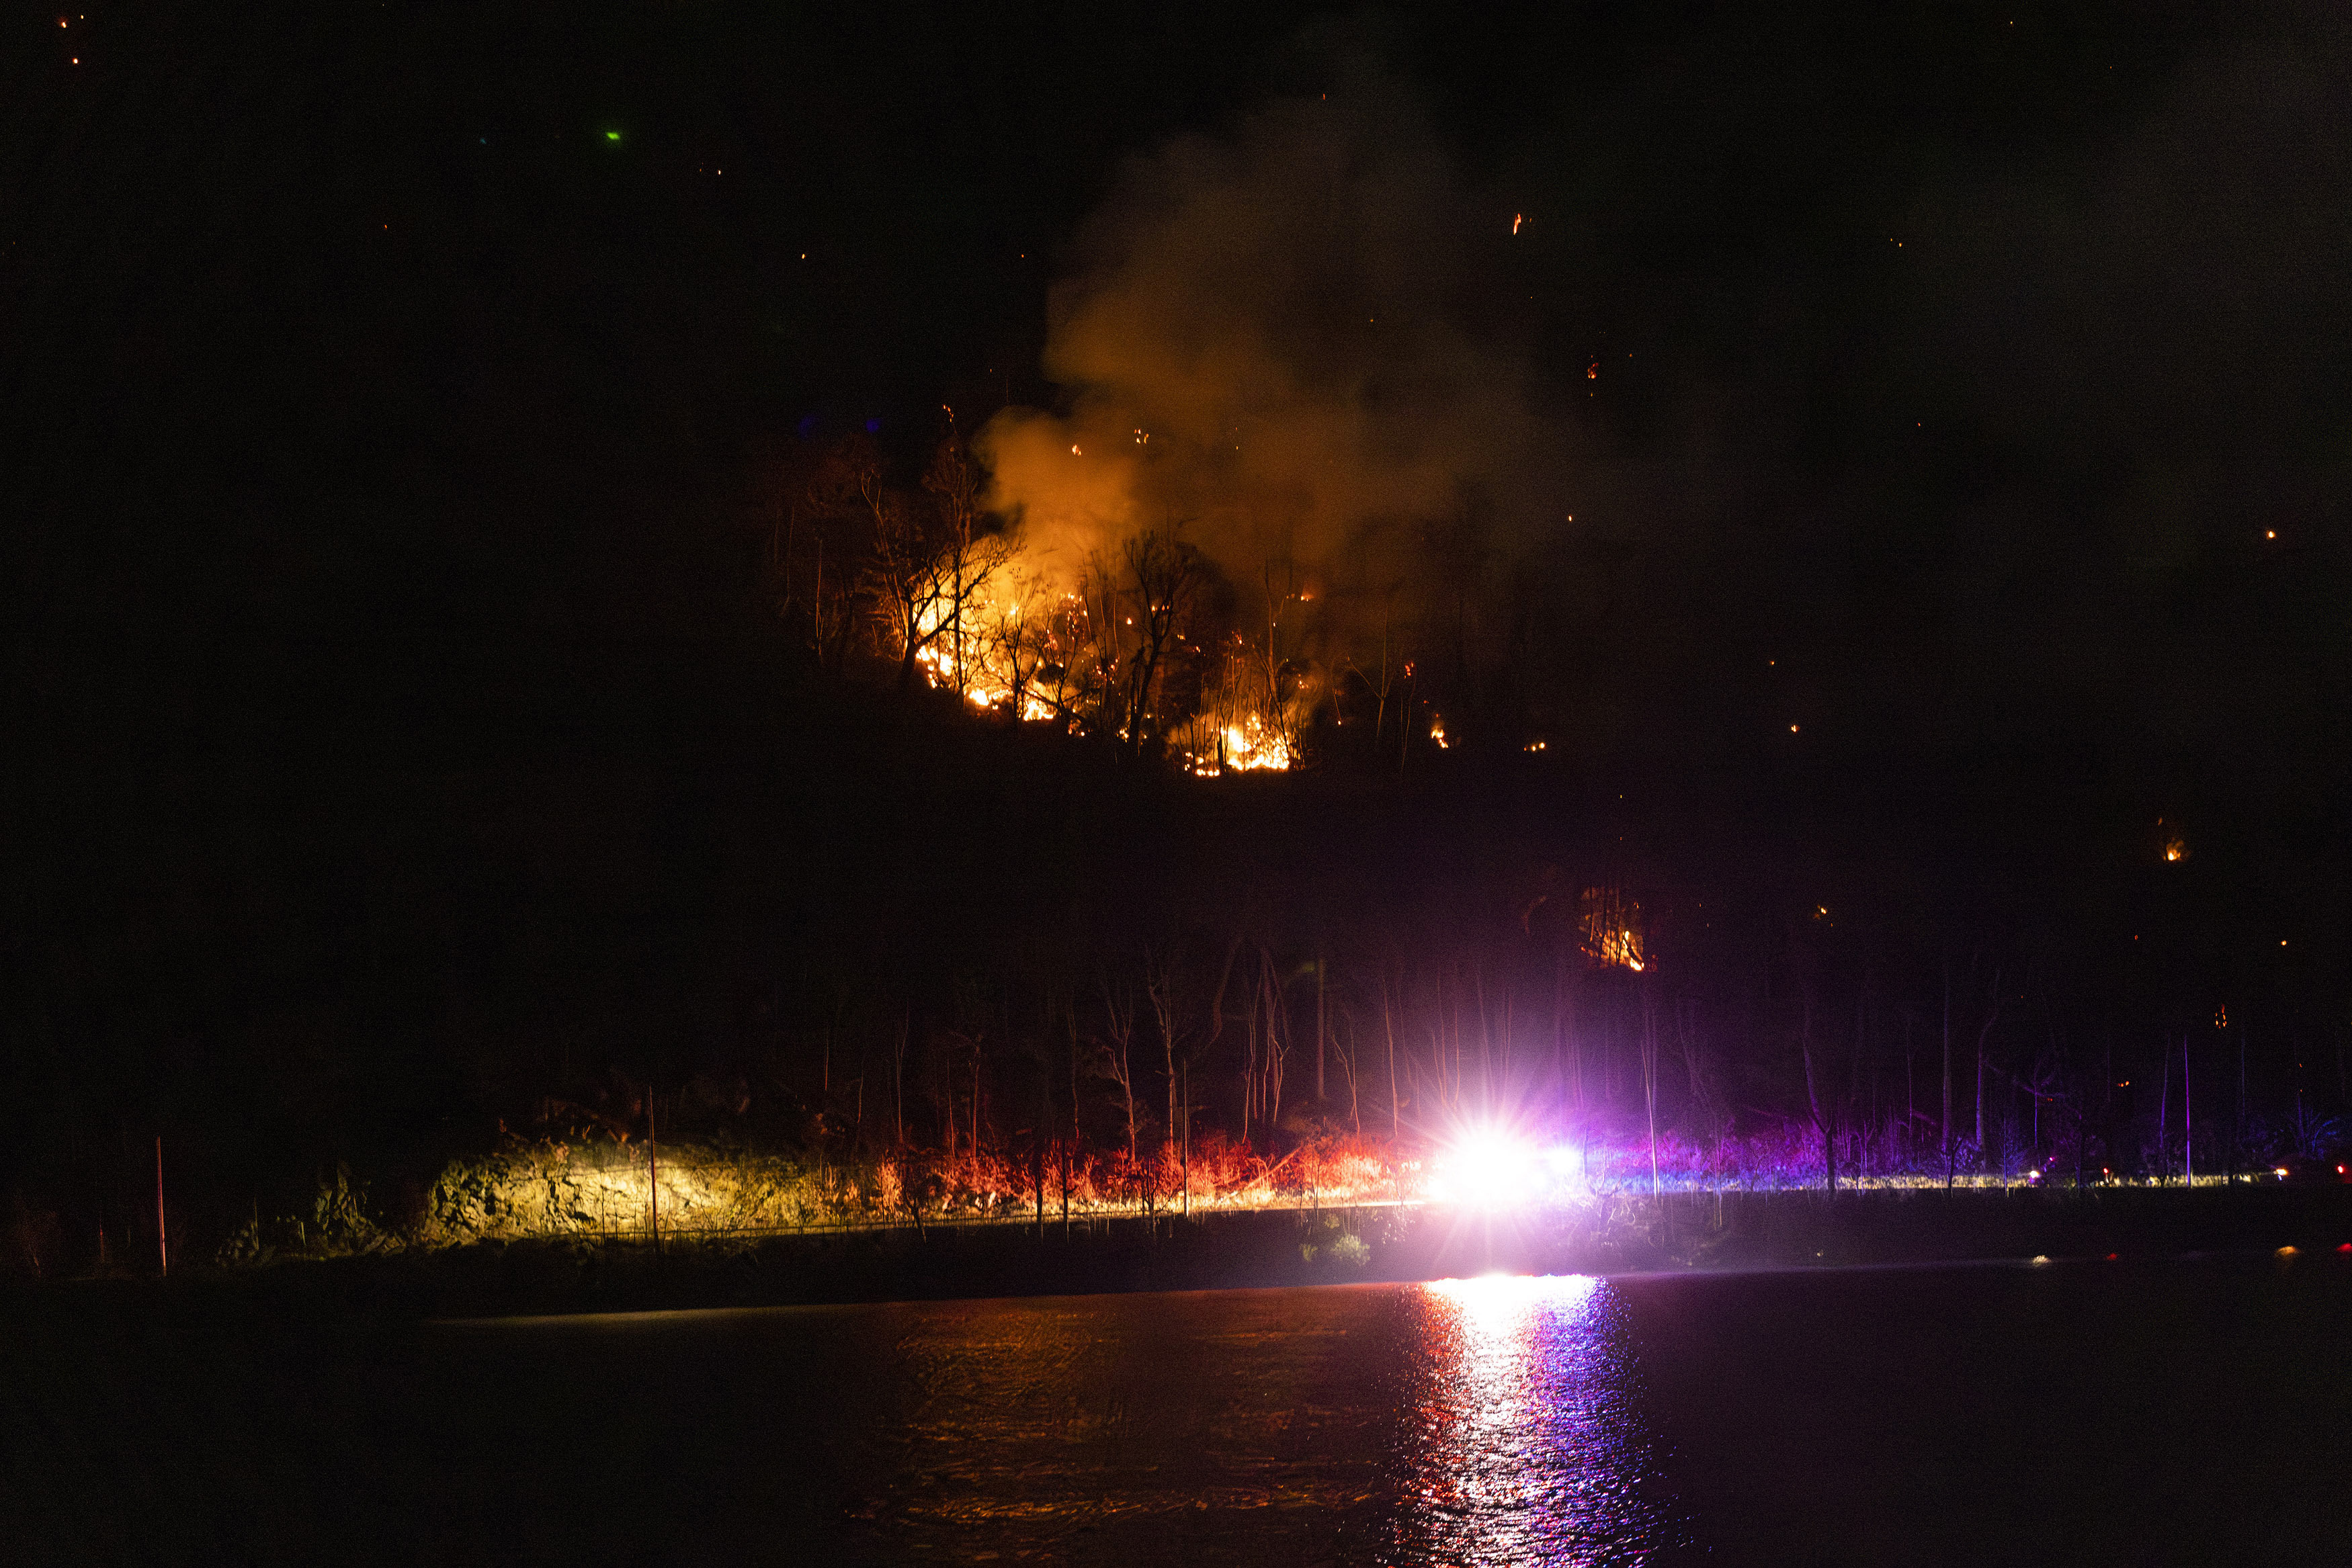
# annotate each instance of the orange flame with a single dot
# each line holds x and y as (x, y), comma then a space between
(1612, 927)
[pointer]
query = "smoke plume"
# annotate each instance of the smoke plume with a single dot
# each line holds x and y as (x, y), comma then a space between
(1296, 344)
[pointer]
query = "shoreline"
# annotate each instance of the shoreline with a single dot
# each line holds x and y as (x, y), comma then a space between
(1681, 1233)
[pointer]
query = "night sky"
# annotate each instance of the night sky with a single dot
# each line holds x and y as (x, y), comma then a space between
(1951, 402)
(1964, 363)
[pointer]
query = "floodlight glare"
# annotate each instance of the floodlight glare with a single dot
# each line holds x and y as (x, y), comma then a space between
(1488, 1167)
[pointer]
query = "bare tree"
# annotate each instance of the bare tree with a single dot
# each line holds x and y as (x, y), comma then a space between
(833, 520)
(972, 558)
(1015, 636)
(1384, 689)
(1817, 1097)
(925, 565)
(1388, 1029)
(1160, 988)
(1345, 1053)
(1993, 1017)
(1163, 576)
(1115, 1054)
(1277, 1029)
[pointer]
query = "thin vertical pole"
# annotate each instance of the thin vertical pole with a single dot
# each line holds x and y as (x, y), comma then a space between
(2188, 1120)
(653, 1169)
(1949, 1162)
(1318, 1026)
(2163, 1114)
(1388, 1027)
(1185, 1071)
(2238, 1123)
(1650, 1086)
(1069, 1148)
(163, 1247)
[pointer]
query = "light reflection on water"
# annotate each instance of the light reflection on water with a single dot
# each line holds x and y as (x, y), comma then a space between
(1903, 1417)
(1522, 1441)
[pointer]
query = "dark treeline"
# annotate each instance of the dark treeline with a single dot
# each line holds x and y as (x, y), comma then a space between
(816, 915)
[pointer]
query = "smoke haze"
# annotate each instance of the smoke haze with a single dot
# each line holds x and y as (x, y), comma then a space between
(1294, 342)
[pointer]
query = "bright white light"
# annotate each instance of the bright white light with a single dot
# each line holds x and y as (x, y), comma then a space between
(1494, 1304)
(1489, 1171)
(1489, 1168)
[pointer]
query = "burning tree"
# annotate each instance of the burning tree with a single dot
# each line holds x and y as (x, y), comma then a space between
(1134, 644)
(1161, 585)
(1609, 925)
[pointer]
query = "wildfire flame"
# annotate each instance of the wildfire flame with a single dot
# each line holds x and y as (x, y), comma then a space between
(1247, 746)
(959, 657)
(1013, 641)
(1612, 927)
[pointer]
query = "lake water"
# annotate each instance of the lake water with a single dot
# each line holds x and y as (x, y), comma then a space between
(2081, 1411)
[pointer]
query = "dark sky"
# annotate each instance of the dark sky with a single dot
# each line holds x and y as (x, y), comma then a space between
(1957, 363)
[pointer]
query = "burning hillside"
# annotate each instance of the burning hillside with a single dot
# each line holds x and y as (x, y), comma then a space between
(1293, 451)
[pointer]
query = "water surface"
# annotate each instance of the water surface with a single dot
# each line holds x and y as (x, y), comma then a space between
(2079, 1413)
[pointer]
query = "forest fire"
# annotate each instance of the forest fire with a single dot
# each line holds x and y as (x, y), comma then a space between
(1247, 747)
(1611, 926)
(1242, 518)
(1129, 638)
(983, 665)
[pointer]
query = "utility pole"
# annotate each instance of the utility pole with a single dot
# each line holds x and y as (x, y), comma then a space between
(1318, 1026)
(2188, 1120)
(1947, 1074)
(162, 1248)
(2238, 1125)
(1388, 1027)
(652, 1170)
